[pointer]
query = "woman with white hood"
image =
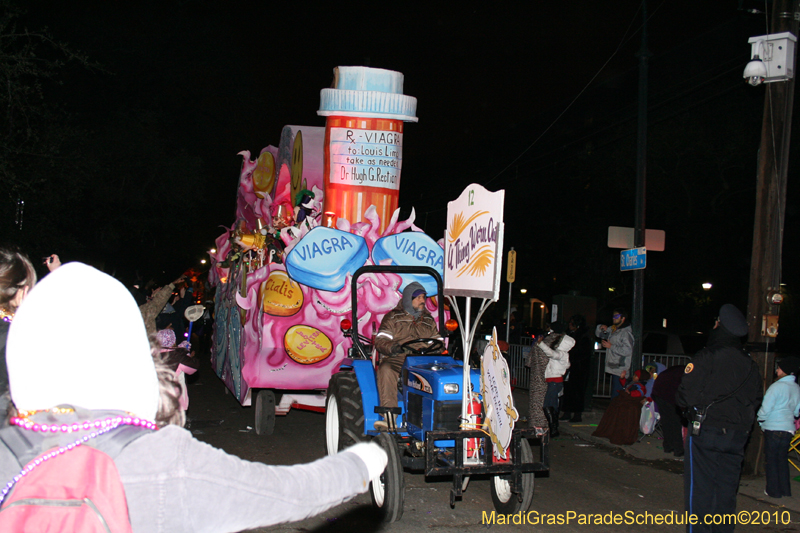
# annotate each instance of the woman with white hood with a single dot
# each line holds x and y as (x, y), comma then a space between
(556, 347)
(78, 377)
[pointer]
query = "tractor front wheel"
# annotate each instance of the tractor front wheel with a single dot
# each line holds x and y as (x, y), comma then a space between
(344, 414)
(388, 492)
(507, 502)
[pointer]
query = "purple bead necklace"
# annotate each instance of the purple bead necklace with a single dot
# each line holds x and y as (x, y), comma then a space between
(99, 427)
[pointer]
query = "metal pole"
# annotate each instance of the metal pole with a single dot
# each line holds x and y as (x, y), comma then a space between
(765, 263)
(465, 383)
(637, 314)
(508, 313)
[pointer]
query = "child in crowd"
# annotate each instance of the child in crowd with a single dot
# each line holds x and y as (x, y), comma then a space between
(637, 387)
(620, 421)
(779, 409)
(179, 359)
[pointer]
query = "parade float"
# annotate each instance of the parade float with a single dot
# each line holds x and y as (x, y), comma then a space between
(309, 213)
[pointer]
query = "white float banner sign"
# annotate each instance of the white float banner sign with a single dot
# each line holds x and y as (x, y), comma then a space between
(498, 403)
(473, 243)
(366, 158)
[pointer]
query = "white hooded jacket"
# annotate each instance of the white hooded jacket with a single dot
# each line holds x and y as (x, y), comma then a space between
(558, 363)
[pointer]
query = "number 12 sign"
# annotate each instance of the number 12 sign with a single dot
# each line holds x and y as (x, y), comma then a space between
(473, 242)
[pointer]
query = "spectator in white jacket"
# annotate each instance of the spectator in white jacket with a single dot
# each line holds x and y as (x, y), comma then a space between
(556, 347)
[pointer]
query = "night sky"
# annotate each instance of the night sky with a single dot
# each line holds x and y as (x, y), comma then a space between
(535, 98)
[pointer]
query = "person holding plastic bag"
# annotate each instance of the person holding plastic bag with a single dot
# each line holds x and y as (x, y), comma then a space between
(779, 410)
(86, 379)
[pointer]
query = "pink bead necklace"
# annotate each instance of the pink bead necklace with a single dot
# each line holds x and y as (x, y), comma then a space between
(99, 427)
(25, 423)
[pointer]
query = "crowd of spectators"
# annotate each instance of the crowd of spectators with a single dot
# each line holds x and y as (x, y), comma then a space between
(57, 381)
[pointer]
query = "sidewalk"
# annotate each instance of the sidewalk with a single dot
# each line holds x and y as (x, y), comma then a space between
(650, 448)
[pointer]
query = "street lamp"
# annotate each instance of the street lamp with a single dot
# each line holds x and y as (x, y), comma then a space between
(707, 286)
(523, 291)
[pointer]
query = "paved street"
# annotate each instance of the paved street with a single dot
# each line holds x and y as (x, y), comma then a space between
(585, 478)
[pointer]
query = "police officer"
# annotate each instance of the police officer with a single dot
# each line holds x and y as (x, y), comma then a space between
(723, 382)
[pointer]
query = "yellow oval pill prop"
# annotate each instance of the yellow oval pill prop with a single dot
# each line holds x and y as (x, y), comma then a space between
(307, 345)
(280, 295)
(264, 175)
(297, 165)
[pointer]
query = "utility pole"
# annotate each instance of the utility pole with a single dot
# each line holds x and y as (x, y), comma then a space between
(637, 313)
(765, 265)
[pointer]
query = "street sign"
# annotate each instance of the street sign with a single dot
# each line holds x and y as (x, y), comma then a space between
(633, 259)
(511, 273)
(619, 237)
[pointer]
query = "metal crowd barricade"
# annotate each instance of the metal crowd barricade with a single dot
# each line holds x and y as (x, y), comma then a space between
(521, 374)
(602, 382)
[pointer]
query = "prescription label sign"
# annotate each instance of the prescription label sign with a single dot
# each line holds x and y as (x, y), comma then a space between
(365, 158)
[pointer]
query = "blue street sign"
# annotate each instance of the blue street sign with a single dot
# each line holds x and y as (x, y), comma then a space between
(633, 259)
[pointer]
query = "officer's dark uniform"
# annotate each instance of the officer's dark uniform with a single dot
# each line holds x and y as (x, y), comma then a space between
(713, 460)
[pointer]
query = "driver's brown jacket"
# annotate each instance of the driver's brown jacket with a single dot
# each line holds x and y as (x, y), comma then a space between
(399, 327)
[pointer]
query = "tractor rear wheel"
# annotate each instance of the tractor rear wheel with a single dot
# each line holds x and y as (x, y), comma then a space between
(265, 412)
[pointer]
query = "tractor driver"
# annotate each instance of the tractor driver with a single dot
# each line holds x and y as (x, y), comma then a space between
(408, 321)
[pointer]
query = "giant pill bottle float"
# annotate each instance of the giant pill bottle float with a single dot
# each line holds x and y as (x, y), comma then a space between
(364, 141)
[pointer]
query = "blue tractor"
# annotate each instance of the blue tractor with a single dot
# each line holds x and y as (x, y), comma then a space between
(430, 436)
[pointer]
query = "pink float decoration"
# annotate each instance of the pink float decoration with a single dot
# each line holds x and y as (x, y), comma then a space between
(273, 331)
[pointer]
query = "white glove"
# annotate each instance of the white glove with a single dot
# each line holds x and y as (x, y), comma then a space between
(372, 455)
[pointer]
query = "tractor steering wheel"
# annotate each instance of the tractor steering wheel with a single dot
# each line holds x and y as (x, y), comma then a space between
(433, 346)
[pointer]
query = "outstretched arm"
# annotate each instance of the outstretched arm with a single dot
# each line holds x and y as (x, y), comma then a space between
(174, 482)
